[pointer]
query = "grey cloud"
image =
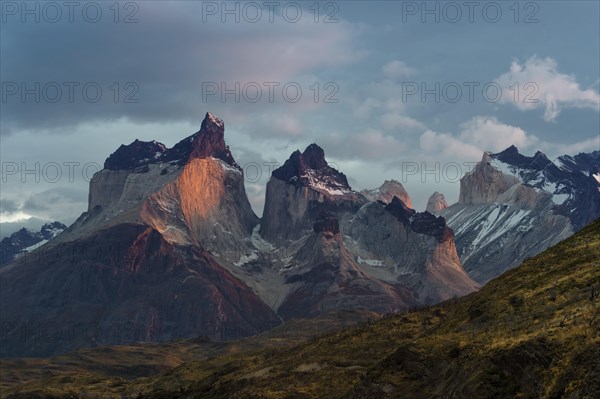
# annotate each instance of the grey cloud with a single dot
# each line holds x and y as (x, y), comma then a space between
(8, 206)
(6, 229)
(167, 56)
(58, 203)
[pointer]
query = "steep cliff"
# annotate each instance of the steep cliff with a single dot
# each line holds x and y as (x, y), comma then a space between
(513, 207)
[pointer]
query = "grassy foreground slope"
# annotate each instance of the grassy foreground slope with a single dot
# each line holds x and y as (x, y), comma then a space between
(110, 371)
(534, 332)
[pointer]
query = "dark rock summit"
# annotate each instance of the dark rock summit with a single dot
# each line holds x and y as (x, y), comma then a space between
(420, 222)
(136, 154)
(399, 209)
(310, 168)
(207, 142)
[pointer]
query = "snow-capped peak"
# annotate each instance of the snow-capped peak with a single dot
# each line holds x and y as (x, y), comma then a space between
(310, 169)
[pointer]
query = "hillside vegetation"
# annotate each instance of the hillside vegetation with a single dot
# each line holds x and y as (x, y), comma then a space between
(534, 332)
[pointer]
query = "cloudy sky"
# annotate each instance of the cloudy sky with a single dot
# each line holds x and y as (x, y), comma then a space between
(412, 91)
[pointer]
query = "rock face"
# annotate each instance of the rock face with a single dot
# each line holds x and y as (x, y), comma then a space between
(123, 284)
(170, 248)
(387, 191)
(149, 250)
(26, 240)
(436, 203)
(300, 190)
(573, 181)
(512, 207)
(339, 250)
(484, 184)
(192, 193)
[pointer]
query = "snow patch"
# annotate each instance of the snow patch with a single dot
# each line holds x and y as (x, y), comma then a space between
(244, 259)
(260, 243)
(370, 262)
(487, 225)
(287, 264)
(559, 199)
(35, 246)
(226, 167)
(506, 169)
(330, 187)
(513, 220)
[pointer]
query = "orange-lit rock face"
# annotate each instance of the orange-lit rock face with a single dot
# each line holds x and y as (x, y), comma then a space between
(184, 205)
(206, 203)
(201, 188)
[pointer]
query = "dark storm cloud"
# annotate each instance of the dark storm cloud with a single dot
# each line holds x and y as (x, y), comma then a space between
(162, 63)
(170, 52)
(8, 206)
(6, 229)
(52, 198)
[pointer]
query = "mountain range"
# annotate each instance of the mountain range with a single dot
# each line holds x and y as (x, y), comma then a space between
(530, 333)
(170, 247)
(26, 240)
(512, 207)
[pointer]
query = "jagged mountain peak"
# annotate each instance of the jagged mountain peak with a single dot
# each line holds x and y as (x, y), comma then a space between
(568, 179)
(314, 157)
(387, 191)
(398, 208)
(211, 120)
(192, 192)
(299, 190)
(514, 205)
(436, 203)
(310, 169)
(420, 222)
(136, 154)
(511, 156)
(209, 141)
(484, 183)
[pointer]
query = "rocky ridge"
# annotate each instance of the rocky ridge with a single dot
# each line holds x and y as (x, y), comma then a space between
(512, 207)
(26, 240)
(170, 243)
(387, 191)
(436, 203)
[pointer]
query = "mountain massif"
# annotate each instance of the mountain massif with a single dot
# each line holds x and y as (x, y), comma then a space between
(531, 333)
(26, 240)
(512, 207)
(170, 248)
